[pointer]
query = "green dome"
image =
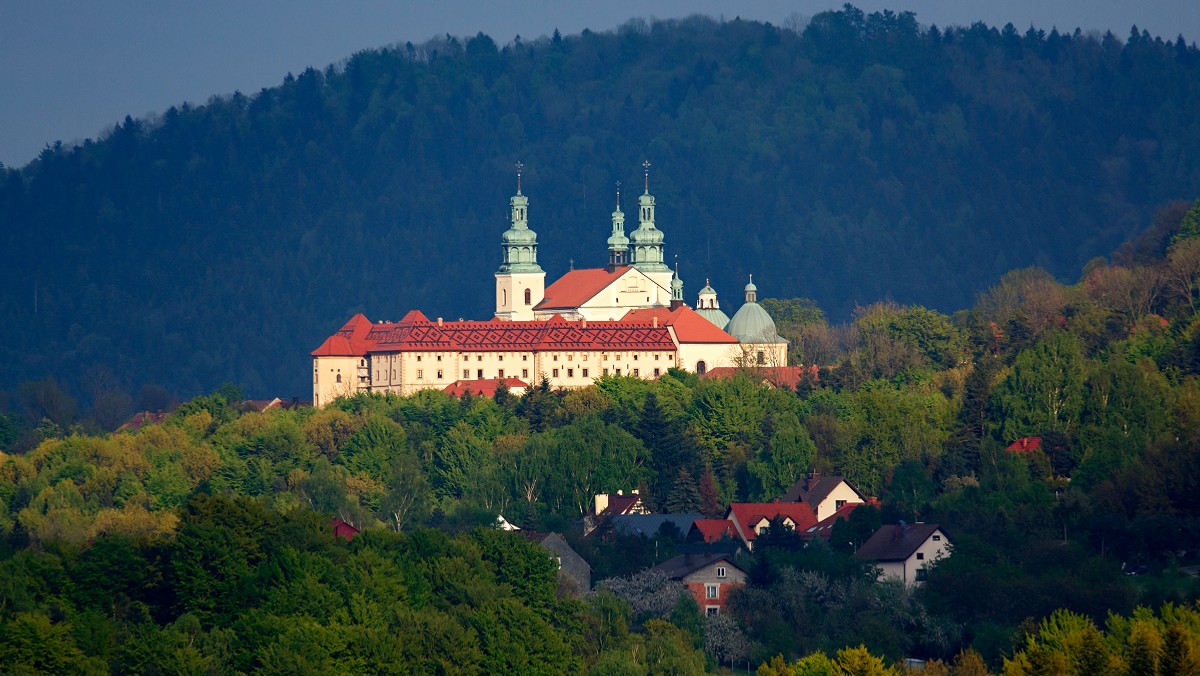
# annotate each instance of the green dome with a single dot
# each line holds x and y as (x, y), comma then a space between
(752, 324)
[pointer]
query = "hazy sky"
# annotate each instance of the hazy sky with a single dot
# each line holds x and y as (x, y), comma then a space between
(70, 69)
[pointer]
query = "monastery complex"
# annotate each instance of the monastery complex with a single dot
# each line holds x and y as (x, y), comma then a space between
(627, 318)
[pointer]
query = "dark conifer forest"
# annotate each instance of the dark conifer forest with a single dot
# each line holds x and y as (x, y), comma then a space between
(856, 158)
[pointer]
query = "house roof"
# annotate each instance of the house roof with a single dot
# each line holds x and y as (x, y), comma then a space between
(349, 341)
(714, 530)
(824, 527)
(412, 333)
(1026, 445)
(685, 564)
(578, 287)
(776, 376)
(896, 542)
(814, 488)
(620, 504)
(648, 525)
(141, 419)
(689, 326)
(342, 529)
(485, 387)
(746, 515)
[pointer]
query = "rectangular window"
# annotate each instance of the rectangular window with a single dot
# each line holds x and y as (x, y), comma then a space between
(555, 358)
(670, 357)
(920, 556)
(439, 374)
(636, 373)
(711, 611)
(710, 591)
(570, 356)
(466, 358)
(618, 371)
(657, 372)
(921, 574)
(466, 374)
(524, 357)
(605, 372)
(585, 356)
(554, 372)
(656, 355)
(480, 374)
(501, 357)
(720, 571)
(439, 357)
(500, 374)
(635, 356)
(418, 357)
(585, 373)
(478, 357)
(524, 373)
(570, 373)
(937, 538)
(420, 374)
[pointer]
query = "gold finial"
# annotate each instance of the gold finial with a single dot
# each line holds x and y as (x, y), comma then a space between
(618, 195)
(519, 168)
(646, 164)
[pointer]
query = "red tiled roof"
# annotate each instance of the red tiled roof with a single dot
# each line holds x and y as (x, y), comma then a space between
(689, 326)
(620, 504)
(498, 335)
(141, 419)
(745, 515)
(713, 530)
(896, 542)
(343, 530)
(1026, 444)
(824, 527)
(778, 376)
(482, 388)
(350, 340)
(578, 287)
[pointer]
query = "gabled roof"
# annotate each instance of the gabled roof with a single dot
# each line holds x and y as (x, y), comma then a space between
(648, 525)
(343, 530)
(714, 530)
(776, 376)
(814, 488)
(896, 542)
(824, 527)
(1026, 445)
(689, 326)
(482, 388)
(578, 287)
(746, 515)
(349, 341)
(141, 419)
(556, 333)
(621, 504)
(685, 564)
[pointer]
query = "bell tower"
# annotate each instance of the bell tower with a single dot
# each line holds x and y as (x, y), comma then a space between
(520, 281)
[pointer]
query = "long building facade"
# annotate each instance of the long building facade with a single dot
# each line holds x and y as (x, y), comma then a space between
(628, 318)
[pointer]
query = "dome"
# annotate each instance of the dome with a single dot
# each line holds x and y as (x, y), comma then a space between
(714, 315)
(752, 324)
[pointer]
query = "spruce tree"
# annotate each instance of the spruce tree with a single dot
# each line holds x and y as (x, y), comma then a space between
(685, 494)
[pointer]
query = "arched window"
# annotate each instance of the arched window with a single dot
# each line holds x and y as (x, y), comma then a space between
(528, 296)
(339, 377)
(701, 368)
(503, 296)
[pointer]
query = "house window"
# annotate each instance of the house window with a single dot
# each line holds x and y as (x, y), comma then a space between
(701, 368)
(937, 538)
(554, 373)
(418, 357)
(656, 355)
(528, 297)
(420, 374)
(524, 357)
(524, 373)
(500, 357)
(585, 356)
(585, 373)
(480, 374)
(657, 373)
(720, 571)
(635, 357)
(500, 373)
(711, 611)
(920, 556)
(618, 371)
(635, 372)
(605, 372)
(466, 374)
(570, 373)
(921, 574)
(439, 374)
(439, 357)
(711, 591)
(339, 377)
(761, 358)
(478, 357)
(555, 358)
(838, 504)
(466, 358)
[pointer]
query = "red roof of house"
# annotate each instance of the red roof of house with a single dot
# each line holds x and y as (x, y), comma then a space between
(482, 388)
(689, 326)
(1026, 444)
(494, 335)
(141, 419)
(343, 530)
(578, 287)
(713, 530)
(824, 527)
(778, 376)
(350, 340)
(621, 504)
(746, 515)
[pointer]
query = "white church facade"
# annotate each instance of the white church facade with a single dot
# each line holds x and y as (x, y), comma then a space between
(627, 318)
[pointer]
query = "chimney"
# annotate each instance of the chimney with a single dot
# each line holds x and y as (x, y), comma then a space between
(583, 323)
(439, 321)
(654, 322)
(601, 502)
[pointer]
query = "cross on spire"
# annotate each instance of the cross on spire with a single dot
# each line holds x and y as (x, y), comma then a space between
(646, 164)
(618, 195)
(570, 263)
(519, 168)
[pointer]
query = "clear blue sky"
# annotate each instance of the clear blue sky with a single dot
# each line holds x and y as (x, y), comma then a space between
(68, 70)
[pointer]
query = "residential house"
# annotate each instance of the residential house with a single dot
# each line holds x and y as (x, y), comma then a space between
(826, 494)
(343, 530)
(824, 528)
(713, 530)
(750, 519)
(609, 505)
(571, 566)
(903, 551)
(650, 525)
(709, 577)
(486, 387)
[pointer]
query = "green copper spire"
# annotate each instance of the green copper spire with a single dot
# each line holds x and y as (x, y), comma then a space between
(618, 243)
(647, 240)
(519, 243)
(676, 285)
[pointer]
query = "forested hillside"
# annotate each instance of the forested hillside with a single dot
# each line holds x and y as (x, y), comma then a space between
(863, 157)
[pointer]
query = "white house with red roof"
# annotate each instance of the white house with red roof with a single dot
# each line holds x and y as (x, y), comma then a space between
(750, 519)
(628, 318)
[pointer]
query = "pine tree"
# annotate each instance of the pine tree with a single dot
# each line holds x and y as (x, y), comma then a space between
(710, 502)
(685, 494)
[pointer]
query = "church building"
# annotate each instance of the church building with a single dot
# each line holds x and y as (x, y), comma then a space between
(627, 318)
